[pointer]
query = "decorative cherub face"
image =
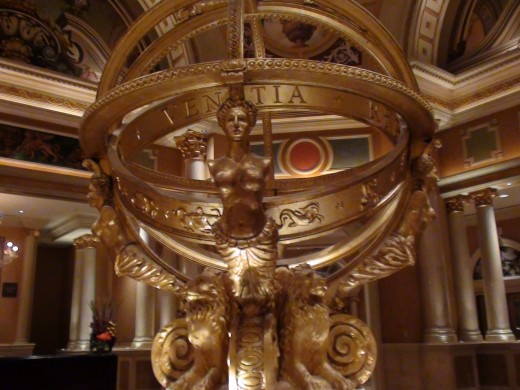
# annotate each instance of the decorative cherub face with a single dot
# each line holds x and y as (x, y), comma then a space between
(236, 124)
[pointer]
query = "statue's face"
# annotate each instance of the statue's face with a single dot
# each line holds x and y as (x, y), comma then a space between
(237, 124)
(94, 197)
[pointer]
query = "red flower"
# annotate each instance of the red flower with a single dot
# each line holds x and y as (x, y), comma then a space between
(105, 336)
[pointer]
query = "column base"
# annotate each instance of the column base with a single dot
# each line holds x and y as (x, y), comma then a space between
(72, 346)
(440, 336)
(17, 349)
(78, 346)
(470, 336)
(500, 335)
(142, 343)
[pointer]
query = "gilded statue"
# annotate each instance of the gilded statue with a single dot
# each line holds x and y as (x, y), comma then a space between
(245, 238)
(207, 307)
(129, 258)
(304, 335)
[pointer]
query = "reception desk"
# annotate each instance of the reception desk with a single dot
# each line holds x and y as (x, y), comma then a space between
(59, 372)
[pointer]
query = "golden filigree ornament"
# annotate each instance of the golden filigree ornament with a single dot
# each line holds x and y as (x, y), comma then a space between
(256, 318)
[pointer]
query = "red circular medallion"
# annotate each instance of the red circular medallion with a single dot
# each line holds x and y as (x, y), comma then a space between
(305, 156)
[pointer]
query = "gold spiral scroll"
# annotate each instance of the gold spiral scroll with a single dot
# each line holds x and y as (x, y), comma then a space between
(172, 352)
(352, 350)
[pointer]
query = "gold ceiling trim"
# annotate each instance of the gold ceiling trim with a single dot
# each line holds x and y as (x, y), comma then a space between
(481, 95)
(47, 99)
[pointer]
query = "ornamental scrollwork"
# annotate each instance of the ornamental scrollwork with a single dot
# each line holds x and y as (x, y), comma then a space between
(26, 36)
(343, 53)
(145, 204)
(197, 221)
(303, 216)
(191, 353)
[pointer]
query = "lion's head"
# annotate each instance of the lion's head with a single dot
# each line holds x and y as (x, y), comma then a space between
(206, 290)
(306, 286)
(206, 303)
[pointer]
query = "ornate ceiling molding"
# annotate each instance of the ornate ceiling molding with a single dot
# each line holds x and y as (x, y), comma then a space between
(31, 93)
(426, 32)
(480, 91)
(26, 178)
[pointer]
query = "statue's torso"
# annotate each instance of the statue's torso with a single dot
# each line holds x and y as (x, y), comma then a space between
(240, 184)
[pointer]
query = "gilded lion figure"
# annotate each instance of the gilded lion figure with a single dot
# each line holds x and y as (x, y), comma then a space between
(206, 303)
(305, 325)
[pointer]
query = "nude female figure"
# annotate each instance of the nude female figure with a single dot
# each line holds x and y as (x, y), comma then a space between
(246, 238)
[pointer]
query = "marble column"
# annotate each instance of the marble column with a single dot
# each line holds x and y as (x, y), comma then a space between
(144, 310)
(434, 281)
(167, 305)
(193, 146)
(144, 316)
(87, 244)
(464, 291)
(497, 316)
(76, 296)
(23, 321)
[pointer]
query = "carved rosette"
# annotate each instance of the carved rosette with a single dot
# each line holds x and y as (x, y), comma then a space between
(172, 352)
(456, 204)
(352, 350)
(193, 145)
(484, 197)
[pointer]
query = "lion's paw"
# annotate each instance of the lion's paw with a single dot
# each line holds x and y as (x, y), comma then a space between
(341, 383)
(316, 383)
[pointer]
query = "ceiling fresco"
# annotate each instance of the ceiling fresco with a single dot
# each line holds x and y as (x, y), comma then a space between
(67, 36)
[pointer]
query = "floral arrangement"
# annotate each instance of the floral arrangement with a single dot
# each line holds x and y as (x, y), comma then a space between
(103, 334)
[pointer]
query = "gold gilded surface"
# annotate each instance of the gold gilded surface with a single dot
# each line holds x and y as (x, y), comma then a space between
(129, 259)
(304, 336)
(398, 250)
(161, 211)
(235, 33)
(303, 216)
(85, 241)
(263, 321)
(347, 81)
(172, 352)
(245, 238)
(352, 347)
(256, 29)
(456, 204)
(483, 197)
(193, 144)
(207, 316)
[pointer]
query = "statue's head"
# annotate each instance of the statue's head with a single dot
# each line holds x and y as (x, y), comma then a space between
(237, 117)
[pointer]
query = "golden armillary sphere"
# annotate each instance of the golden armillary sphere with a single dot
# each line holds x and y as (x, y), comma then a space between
(258, 316)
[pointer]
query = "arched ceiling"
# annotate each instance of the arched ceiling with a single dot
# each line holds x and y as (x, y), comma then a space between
(479, 80)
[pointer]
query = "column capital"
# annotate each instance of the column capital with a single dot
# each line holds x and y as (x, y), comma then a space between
(483, 197)
(456, 203)
(193, 145)
(85, 241)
